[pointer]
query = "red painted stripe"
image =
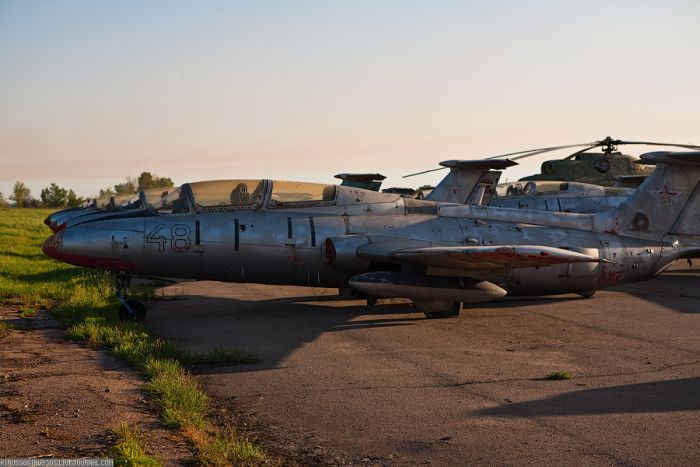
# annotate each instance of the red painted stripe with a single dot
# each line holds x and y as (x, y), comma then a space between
(52, 248)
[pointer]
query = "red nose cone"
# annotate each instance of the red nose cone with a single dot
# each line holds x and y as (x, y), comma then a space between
(52, 245)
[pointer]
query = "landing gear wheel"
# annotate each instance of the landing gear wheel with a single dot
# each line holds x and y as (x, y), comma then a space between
(434, 310)
(132, 311)
(587, 294)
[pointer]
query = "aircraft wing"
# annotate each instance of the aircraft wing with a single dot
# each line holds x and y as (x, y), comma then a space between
(482, 257)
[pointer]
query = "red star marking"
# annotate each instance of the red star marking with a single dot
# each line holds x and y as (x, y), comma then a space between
(665, 196)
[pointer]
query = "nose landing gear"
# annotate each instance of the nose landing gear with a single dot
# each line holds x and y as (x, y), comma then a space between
(130, 310)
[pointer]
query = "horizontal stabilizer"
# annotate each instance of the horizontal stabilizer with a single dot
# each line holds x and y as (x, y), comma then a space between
(363, 177)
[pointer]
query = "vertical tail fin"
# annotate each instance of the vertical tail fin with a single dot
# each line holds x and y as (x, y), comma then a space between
(668, 201)
(468, 180)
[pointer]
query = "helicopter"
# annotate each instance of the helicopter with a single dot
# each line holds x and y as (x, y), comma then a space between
(597, 168)
(560, 188)
(439, 255)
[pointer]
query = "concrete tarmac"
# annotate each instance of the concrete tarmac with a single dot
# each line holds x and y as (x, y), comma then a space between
(384, 385)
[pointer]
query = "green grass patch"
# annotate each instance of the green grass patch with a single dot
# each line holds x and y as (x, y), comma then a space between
(85, 303)
(130, 448)
(27, 313)
(5, 328)
(558, 375)
(227, 448)
(183, 404)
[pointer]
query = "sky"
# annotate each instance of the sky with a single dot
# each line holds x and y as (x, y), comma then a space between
(93, 92)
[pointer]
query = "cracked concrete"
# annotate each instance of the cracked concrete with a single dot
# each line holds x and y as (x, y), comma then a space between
(382, 385)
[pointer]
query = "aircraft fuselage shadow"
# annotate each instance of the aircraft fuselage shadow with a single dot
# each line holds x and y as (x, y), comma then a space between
(677, 290)
(658, 396)
(270, 329)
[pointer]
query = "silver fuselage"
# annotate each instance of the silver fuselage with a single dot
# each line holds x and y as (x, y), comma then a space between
(288, 247)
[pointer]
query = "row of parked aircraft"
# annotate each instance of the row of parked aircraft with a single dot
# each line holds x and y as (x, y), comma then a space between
(470, 240)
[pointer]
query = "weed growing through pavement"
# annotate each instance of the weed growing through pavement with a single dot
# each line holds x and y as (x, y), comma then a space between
(130, 447)
(559, 375)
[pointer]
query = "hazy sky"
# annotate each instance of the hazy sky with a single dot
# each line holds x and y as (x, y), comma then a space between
(93, 91)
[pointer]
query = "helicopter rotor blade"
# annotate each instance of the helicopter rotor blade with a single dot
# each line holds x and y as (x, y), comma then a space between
(539, 151)
(581, 151)
(648, 143)
(519, 154)
(617, 142)
(424, 172)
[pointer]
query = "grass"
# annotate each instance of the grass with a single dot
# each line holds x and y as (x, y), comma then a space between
(130, 448)
(226, 448)
(27, 313)
(5, 328)
(84, 301)
(558, 375)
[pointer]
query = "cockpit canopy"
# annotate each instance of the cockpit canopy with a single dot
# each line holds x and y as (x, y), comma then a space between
(236, 195)
(153, 195)
(133, 202)
(142, 199)
(175, 202)
(545, 188)
(222, 193)
(285, 193)
(509, 190)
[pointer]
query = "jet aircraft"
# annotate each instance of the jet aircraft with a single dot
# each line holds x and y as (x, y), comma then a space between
(438, 255)
(104, 208)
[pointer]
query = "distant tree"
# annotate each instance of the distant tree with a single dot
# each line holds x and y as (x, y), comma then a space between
(147, 180)
(128, 187)
(32, 203)
(106, 193)
(21, 195)
(74, 201)
(144, 181)
(53, 196)
(3, 201)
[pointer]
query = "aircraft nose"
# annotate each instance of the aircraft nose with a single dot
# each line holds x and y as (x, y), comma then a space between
(52, 245)
(91, 248)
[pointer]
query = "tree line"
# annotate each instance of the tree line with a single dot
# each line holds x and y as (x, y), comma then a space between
(55, 196)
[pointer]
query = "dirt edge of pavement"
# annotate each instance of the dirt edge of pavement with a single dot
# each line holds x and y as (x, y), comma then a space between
(62, 399)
